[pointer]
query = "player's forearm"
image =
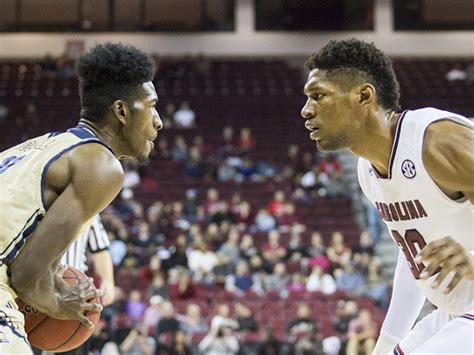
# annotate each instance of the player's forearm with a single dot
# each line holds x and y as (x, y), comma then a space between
(38, 292)
(104, 266)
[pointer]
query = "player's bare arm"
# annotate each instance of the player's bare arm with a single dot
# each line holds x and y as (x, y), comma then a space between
(450, 163)
(77, 187)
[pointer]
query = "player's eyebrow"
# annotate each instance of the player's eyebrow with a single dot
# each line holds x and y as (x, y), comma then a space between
(312, 87)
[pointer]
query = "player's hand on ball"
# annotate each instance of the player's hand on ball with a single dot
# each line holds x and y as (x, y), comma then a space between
(449, 256)
(72, 300)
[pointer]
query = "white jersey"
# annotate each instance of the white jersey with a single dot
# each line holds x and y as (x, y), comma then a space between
(415, 210)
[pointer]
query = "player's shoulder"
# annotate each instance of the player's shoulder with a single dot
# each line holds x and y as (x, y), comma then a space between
(95, 161)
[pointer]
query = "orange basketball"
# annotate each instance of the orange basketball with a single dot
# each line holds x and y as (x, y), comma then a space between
(56, 335)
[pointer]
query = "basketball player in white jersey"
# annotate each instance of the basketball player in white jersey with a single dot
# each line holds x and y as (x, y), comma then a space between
(417, 169)
(52, 186)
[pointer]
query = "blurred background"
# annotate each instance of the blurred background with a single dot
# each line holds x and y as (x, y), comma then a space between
(238, 235)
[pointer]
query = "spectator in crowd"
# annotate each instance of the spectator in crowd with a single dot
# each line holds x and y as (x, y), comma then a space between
(179, 150)
(178, 255)
(184, 117)
(192, 322)
(245, 318)
(223, 269)
(279, 279)
(226, 145)
(350, 280)
(179, 346)
(201, 260)
(273, 251)
(248, 170)
(152, 269)
(243, 215)
(269, 343)
(264, 221)
(222, 214)
(310, 345)
(194, 165)
(297, 283)
(231, 246)
(247, 247)
(138, 343)
(191, 209)
(135, 306)
(320, 281)
(456, 74)
(168, 322)
(296, 250)
(131, 178)
(317, 252)
(338, 253)
(152, 314)
(330, 175)
(365, 244)
(167, 115)
(277, 205)
(219, 341)
(362, 334)
(212, 202)
(302, 323)
(245, 142)
(182, 288)
(242, 280)
(376, 288)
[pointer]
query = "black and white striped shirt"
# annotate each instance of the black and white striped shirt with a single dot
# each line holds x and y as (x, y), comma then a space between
(94, 240)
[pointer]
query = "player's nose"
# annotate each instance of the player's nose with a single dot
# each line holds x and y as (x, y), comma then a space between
(157, 122)
(306, 111)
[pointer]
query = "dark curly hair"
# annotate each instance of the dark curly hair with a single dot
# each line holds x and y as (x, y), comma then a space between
(358, 60)
(109, 72)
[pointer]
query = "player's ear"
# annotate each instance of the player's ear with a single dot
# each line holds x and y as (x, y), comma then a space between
(121, 111)
(366, 94)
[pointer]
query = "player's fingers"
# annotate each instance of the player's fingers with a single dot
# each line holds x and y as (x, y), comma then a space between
(454, 282)
(86, 322)
(431, 247)
(92, 307)
(61, 269)
(437, 260)
(91, 294)
(86, 283)
(452, 264)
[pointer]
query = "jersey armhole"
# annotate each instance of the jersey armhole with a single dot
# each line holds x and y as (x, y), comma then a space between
(56, 157)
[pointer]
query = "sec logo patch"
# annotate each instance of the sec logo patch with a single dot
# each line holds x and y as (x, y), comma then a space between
(408, 169)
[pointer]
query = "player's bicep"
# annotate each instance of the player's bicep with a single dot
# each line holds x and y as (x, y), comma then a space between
(449, 158)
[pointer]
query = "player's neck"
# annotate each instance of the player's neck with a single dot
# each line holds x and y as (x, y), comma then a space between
(104, 133)
(375, 143)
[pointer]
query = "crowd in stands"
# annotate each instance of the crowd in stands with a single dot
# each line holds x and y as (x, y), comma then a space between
(210, 273)
(189, 272)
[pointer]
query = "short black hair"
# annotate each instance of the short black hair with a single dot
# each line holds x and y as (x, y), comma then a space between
(362, 60)
(110, 72)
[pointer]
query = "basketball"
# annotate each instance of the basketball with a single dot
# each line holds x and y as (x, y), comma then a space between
(57, 335)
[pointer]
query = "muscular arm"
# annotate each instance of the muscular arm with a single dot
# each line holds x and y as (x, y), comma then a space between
(448, 156)
(93, 178)
(405, 306)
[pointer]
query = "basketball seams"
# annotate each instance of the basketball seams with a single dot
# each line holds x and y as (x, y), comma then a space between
(66, 340)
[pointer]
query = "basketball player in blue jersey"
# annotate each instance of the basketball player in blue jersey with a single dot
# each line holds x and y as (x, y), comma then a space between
(417, 168)
(52, 186)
